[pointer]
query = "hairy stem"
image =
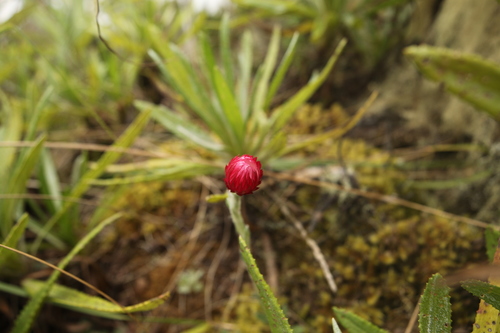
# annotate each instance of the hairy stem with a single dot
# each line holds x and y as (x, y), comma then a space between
(233, 202)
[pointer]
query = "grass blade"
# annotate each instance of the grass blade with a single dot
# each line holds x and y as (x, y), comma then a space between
(356, 324)
(11, 130)
(183, 78)
(282, 69)
(25, 319)
(181, 127)
(245, 63)
(267, 70)
(49, 181)
(229, 106)
(125, 140)
(37, 113)
(225, 50)
(285, 111)
(17, 183)
(63, 295)
(8, 258)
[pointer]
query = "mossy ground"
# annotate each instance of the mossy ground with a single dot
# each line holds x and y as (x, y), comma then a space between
(381, 255)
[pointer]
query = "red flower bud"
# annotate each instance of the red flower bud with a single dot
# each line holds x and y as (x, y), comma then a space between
(243, 174)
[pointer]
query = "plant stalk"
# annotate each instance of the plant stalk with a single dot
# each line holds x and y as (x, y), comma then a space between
(233, 202)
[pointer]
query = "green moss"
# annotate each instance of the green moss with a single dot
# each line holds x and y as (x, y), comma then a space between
(387, 268)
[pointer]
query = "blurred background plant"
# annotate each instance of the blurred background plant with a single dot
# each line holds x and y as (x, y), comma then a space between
(374, 28)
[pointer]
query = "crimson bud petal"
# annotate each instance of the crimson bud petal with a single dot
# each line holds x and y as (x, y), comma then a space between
(243, 174)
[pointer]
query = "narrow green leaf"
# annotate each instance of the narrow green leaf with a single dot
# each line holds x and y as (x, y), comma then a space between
(16, 232)
(180, 126)
(11, 130)
(63, 295)
(435, 307)
(267, 70)
(229, 106)
(484, 290)
(187, 170)
(225, 51)
(468, 76)
(37, 113)
(280, 7)
(284, 112)
(17, 183)
(201, 328)
(275, 316)
(49, 181)
(181, 75)
(354, 323)
(195, 26)
(282, 69)
(207, 58)
(245, 59)
(25, 319)
(125, 140)
(51, 238)
(214, 198)
(11, 289)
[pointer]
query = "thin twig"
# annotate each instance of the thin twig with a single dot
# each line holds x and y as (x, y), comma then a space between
(235, 291)
(84, 146)
(35, 196)
(384, 198)
(270, 259)
(413, 319)
(105, 42)
(221, 251)
(101, 148)
(318, 255)
(193, 238)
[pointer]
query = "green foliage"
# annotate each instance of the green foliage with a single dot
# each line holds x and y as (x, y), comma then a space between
(373, 26)
(435, 307)
(469, 77)
(485, 291)
(277, 320)
(26, 317)
(491, 238)
(355, 324)
(17, 165)
(125, 140)
(62, 295)
(8, 259)
(233, 106)
(60, 47)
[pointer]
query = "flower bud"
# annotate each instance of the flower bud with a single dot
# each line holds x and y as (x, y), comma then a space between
(243, 174)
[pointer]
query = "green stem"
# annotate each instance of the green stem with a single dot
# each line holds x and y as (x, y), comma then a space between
(233, 202)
